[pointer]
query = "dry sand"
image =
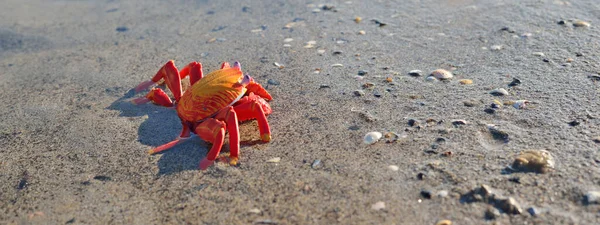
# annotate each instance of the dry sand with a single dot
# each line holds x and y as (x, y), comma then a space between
(74, 147)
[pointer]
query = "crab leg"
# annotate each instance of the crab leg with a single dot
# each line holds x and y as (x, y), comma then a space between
(230, 117)
(185, 135)
(171, 76)
(225, 65)
(255, 107)
(211, 130)
(157, 96)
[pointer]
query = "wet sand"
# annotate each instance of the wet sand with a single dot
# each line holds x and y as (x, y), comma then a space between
(74, 147)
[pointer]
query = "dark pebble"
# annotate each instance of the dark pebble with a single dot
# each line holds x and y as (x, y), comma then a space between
(377, 94)
(421, 176)
(112, 10)
(515, 180)
(508, 29)
(245, 9)
(362, 72)
(489, 111)
(102, 178)
(273, 82)
(379, 23)
(218, 28)
(72, 220)
(122, 29)
(412, 122)
(23, 182)
(561, 22)
(338, 52)
(495, 106)
(440, 140)
(426, 193)
(354, 127)
(574, 123)
(533, 211)
(514, 82)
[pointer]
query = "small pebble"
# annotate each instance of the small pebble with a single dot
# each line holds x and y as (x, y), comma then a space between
(520, 104)
(499, 92)
(444, 222)
(287, 45)
(372, 137)
(431, 79)
(321, 51)
(273, 82)
(362, 72)
(592, 197)
(465, 81)
(459, 122)
(442, 194)
(541, 54)
(122, 29)
(357, 19)
(533, 211)
(496, 47)
(278, 65)
(274, 160)
(596, 139)
(254, 211)
(580, 23)
(359, 93)
(288, 40)
(415, 73)
(514, 82)
(362, 32)
(378, 206)
(393, 167)
(337, 65)
(442, 74)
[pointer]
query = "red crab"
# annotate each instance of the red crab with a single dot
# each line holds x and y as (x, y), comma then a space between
(213, 105)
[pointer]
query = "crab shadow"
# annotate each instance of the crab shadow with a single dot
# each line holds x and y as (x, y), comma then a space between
(161, 126)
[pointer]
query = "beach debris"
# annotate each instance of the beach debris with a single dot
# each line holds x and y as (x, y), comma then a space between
(280, 66)
(357, 19)
(444, 222)
(393, 167)
(254, 211)
(486, 194)
(514, 82)
(431, 79)
(592, 197)
(442, 74)
(574, 123)
(499, 92)
(521, 104)
(274, 160)
(497, 133)
(378, 206)
(316, 163)
(337, 65)
(539, 161)
(465, 81)
(580, 23)
(362, 72)
(415, 73)
(102, 178)
(391, 137)
(372, 137)
(362, 32)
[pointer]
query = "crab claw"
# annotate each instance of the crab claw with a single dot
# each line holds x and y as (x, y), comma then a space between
(157, 96)
(144, 85)
(237, 65)
(258, 89)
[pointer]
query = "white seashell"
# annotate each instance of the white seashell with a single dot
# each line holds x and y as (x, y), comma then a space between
(431, 78)
(372, 137)
(499, 92)
(442, 74)
(393, 168)
(254, 211)
(337, 65)
(520, 104)
(496, 47)
(378, 206)
(321, 51)
(541, 54)
(288, 40)
(274, 160)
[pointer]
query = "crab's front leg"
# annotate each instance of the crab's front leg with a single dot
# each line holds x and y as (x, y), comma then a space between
(172, 77)
(255, 107)
(213, 130)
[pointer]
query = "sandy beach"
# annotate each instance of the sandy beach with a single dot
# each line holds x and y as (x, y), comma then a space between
(74, 147)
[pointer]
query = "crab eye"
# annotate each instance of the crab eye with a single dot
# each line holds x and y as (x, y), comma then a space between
(246, 80)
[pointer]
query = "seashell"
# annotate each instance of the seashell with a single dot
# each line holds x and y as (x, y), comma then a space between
(393, 167)
(357, 19)
(465, 81)
(372, 137)
(539, 161)
(442, 74)
(431, 78)
(444, 222)
(415, 73)
(499, 92)
(337, 65)
(362, 32)
(288, 40)
(278, 65)
(521, 104)
(496, 47)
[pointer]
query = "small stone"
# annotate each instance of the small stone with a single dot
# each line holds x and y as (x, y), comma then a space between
(122, 29)
(274, 160)
(540, 54)
(357, 19)
(393, 167)
(288, 40)
(499, 92)
(321, 51)
(362, 32)
(372, 137)
(378, 206)
(287, 45)
(431, 79)
(426, 193)
(444, 222)
(470, 103)
(497, 133)
(442, 194)
(574, 123)
(514, 82)
(520, 104)
(459, 122)
(316, 164)
(273, 82)
(496, 47)
(592, 197)
(278, 65)
(596, 139)
(254, 211)
(415, 73)
(492, 213)
(359, 93)
(508, 205)
(413, 122)
(489, 111)
(465, 81)
(580, 23)
(533, 211)
(362, 72)
(442, 74)
(337, 52)
(337, 65)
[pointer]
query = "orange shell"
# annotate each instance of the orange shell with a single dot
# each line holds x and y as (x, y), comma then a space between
(213, 92)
